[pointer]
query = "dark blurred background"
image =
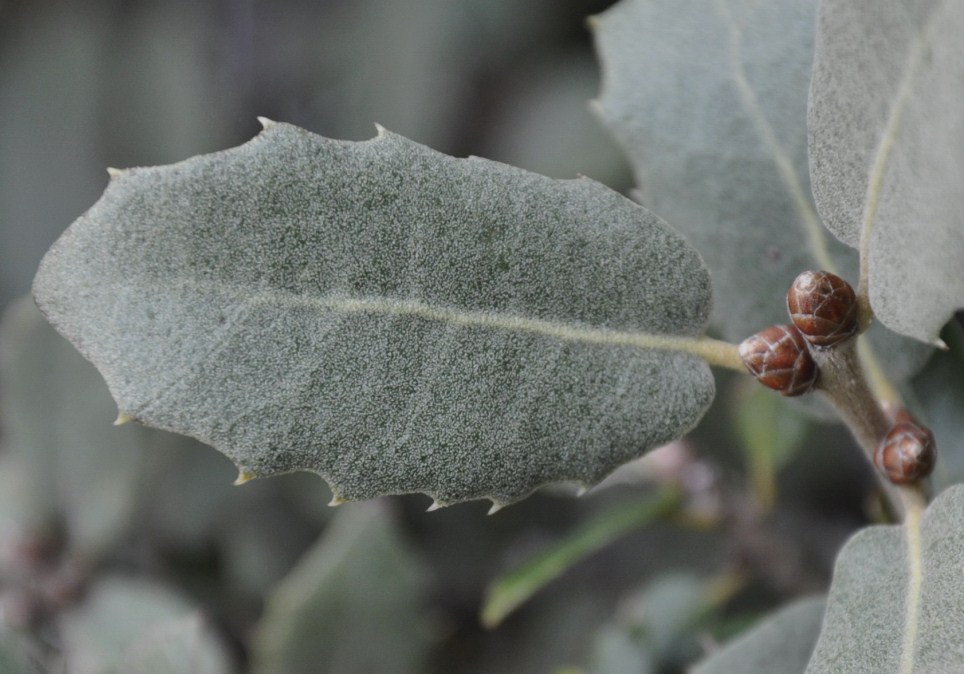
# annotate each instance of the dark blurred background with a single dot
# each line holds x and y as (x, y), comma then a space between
(87, 85)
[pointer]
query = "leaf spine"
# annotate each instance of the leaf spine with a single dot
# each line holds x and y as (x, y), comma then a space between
(122, 418)
(243, 477)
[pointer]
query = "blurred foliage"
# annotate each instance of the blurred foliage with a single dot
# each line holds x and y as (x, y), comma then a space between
(126, 549)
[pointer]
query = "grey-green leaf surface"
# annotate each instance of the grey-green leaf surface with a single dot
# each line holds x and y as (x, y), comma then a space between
(709, 101)
(896, 602)
(887, 151)
(353, 604)
(781, 644)
(389, 317)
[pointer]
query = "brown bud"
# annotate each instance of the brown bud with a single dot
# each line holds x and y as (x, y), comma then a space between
(907, 453)
(823, 307)
(779, 358)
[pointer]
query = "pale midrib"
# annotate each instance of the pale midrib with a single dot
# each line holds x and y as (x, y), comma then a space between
(811, 223)
(914, 582)
(884, 148)
(713, 351)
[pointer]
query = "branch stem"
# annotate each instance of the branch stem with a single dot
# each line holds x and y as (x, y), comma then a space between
(843, 383)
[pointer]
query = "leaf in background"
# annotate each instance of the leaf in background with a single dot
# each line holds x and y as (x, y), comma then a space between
(354, 603)
(896, 603)
(176, 647)
(389, 317)
(780, 644)
(117, 614)
(709, 101)
(56, 412)
(660, 620)
(17, 655)
(771, 434)
(939, 392)
(887, 151)
(617, 651)
(510, 591)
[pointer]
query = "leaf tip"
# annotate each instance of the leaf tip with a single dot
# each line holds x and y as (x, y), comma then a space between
(941, 344)
(581, 491)
(382, 131)
(243, 477)
(436, 505)
(122, 418)
(113, 172)
(496, 507)
(336, 501)
(266, 123)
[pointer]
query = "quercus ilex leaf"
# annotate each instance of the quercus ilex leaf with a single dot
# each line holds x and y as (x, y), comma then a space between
(780, 644)
(709, 101)
(391, 318)
(887, 152)
(896, 600)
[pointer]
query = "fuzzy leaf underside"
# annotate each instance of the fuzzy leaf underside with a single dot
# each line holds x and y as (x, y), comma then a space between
(709, 101)
(391, 318)
(887, 151)
(781, 644)
(896, 603)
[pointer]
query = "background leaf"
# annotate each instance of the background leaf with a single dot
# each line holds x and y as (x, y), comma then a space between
(709, 101)
(770, 434)
(353, 604)
(391, 318)
(17, 654)
(938, 401)
(781, 644)
(117, 615)
(887, 151)
(896, 603)
(655, 626)
(72, 465)
(514, 588)
(176, 647)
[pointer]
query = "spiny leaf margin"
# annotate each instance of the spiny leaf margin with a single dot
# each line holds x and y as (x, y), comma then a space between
(377, 313)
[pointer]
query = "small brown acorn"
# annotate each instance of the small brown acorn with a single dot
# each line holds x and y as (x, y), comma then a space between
(907, 453)
(823, 307)
(779, 358)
